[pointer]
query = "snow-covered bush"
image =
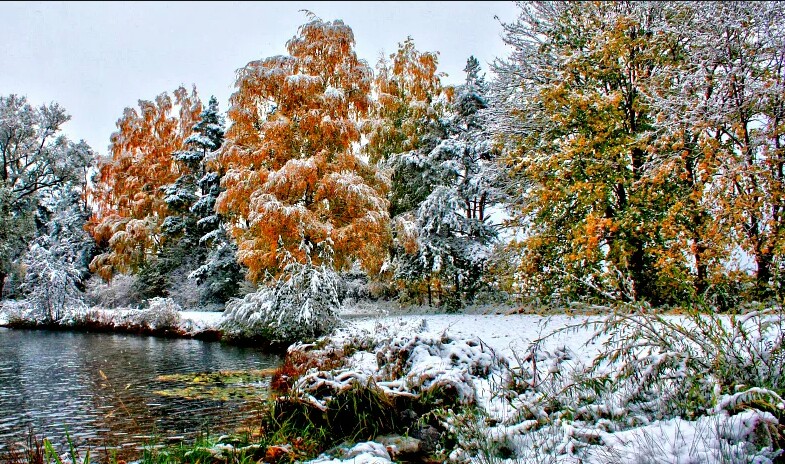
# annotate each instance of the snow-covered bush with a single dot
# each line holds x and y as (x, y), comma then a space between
(688, 366)
(300, 305)
(655, 374)
(51, 283)
(55, 262)
(120, 292)
(407, 366)
(353, 286)
(162, 314)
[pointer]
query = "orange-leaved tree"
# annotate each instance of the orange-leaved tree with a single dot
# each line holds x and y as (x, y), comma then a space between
(293, 173)
(128, 196)
(406, 118)
(407, 89)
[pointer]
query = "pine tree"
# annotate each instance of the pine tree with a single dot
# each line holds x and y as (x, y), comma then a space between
(219, 274)
(454, 231)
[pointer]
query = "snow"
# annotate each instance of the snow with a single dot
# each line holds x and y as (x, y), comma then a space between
(505, 334)
(472, 353)
(196, 321)
(361, 453)
(717, 438)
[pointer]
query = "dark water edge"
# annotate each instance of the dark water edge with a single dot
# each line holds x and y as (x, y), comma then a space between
(104, 389)
(209, 335)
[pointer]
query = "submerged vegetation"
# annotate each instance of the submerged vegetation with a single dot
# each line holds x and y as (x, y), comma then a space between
(220, 386)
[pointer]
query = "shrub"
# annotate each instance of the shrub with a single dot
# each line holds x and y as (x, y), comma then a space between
(162, 314)
(300, 305)
(679, 371)
(117, 293)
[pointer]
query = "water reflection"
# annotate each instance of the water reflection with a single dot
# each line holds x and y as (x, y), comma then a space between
(101, 387)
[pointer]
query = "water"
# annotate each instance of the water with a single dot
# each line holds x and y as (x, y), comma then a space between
(101, 388)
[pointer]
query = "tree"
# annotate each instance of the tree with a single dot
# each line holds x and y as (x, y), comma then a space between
(56, 261)
(454, 231)
(34, 162)
(647, 144)
(300, 305)
(575, 112)
(129, 190)
(406, 117)
(198, 228)
(291, 156)
(742, 53)
(16, 228)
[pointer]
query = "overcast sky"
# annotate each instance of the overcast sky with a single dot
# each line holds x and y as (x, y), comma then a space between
(97, 58)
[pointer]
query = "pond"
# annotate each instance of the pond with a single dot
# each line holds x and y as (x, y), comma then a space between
(121, 392)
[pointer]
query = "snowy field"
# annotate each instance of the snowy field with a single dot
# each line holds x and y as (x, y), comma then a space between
(726, 433)
(505, 334)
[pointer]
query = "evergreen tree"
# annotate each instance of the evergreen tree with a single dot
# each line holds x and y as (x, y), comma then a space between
(196, 245)
(56, 261)
(219, 273)
(454, 230)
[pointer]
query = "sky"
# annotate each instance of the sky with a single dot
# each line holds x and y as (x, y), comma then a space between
(97, 58)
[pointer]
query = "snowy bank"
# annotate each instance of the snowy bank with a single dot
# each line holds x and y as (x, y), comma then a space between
(625, 388)
(162, 318)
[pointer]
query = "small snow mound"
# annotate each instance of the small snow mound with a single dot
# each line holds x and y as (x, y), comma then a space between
(362, 453)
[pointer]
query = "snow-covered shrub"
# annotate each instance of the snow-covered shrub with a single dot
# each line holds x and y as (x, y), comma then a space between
(689, 365)
(747, 437)
(162, 314)
(403, 366)
(679, 370)
(120, 292)
(353, 286)
(183, 290)
(360, 385)
(51, 281)
(300, 305)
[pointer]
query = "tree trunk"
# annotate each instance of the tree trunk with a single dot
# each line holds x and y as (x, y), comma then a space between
(701, 268)
(3, 276)
(763, 277)
(637, 269)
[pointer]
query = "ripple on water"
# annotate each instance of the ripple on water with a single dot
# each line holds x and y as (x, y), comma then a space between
(101, 387)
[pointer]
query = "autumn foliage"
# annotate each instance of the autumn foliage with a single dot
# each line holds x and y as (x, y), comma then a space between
(633, 150)
(293, 173)
(128, 191)
(408, 87)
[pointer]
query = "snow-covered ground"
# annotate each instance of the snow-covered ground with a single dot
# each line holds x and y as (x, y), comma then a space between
(505, 334)
(722, 435)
